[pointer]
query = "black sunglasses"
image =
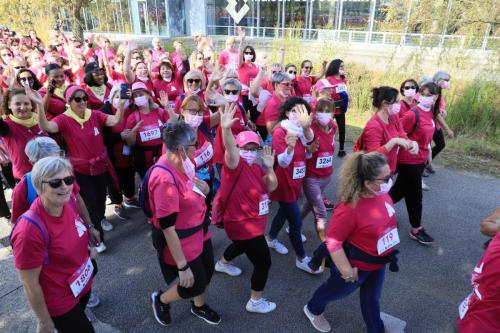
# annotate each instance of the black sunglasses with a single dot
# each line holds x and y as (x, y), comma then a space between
(307, 67)
(56, 183)
(26, 79)
(193, 80)
(59, 45)
(79, 99)
(248, 53)
(231, 92)
(409, 87)
(292, 72)
(19, 67)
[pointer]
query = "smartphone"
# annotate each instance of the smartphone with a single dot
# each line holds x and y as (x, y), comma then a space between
(52, 86)
(124, 91)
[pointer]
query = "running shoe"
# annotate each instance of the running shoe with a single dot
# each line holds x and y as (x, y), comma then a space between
(430, 168)
(277, 246)
(341, 153)
(229, 269)
(328, 204)
(101, 247)
(260, 306)
(106, 225)
(131, 203)
(319, 322)
(425, 187)
(422, 237)
(160, 311)
(304, 265)
(206, 313)
(119, 211)
(94, 301)
(425, 173)
(302, 236)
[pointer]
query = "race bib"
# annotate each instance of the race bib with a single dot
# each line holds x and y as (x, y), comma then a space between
(151, 134)
(324, 160)
(388, 241)
(81, 277)
(464, 307)
(264, 205)
(204, 154)
(341, 88)
(299, 170)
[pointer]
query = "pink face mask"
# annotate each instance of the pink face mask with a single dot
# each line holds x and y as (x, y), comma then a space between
(188, 166)
(410, 92)
(249, 156)
(445, 84)
(385, 188)
(193, 121)
(323, 118)
(231, 98)
(395, 108)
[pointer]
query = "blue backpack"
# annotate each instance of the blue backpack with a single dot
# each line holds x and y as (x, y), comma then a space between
(34, 219)
(31, 194)
(144, 192)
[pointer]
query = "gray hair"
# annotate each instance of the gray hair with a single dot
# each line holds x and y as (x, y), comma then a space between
(279, 77)
(232, 82)
(178, 135)
(40, 147)
(441, 75)
(47, 168)
(423, 80)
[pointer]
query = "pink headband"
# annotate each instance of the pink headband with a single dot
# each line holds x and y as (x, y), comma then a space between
(70, 91)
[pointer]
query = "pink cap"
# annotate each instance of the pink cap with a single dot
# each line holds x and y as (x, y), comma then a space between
(70, 91)
(322, 84)
(246, 137)
(138, 86)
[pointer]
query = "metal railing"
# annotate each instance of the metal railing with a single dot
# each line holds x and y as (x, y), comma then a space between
(367, 37)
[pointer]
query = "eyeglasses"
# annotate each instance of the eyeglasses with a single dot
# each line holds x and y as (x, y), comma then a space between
(207, 58)
(195, 112)
(56, 183)
(137, 58)
(19, 67)
(7, 55)
(248, 53)
(409, 87)
(384, 180)
(231, 92)
(58, 45)
(292, 72)
(252, 149)
(190, 81)
(79, 99)
(26, 79)
(307, 67)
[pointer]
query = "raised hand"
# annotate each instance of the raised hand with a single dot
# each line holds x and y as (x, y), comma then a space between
(268, 157)
(303, 116)
(227, 119)
(164, 99)
(33, 95)
(240, 31)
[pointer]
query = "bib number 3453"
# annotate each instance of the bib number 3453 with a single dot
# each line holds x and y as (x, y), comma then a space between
(299, 170)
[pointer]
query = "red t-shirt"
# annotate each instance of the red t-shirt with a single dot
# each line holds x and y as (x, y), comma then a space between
(405, 107)
(339, 85)
(56, 106)
(377, 133)
(247, 73)
(271, 111)
(16, 141)
(85, 145)
(228, 57)
(422, 134)
(204, 154)
(20, 198)
(238, 127)
(94, 102)
(289, 178)
(304, 86)
(167, 197)
(118, 77)
(246, 210)
(67, 252)
(363, 226)
(171, 88)
(320, 165)
(481, 311)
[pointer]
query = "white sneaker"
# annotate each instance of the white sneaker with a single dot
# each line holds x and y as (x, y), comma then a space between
(101, 247)
(303, 265)
(319, 322)
(260, 306)
(93, 302)
(229, 269)
(302, 236)
(276, 245)
(425, 187)
(106, 226)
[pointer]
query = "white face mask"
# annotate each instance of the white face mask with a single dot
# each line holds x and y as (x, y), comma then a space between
(410, 92)
(143, 78)
(324, 118)
(141, 101)
(194, 92)
(231, 98)
(394, 108)
(341, 72)
(249, 156)
(426, 102)
(291, 76)
(385, 187)
(193, 121)
(248, 57)
(116, 104)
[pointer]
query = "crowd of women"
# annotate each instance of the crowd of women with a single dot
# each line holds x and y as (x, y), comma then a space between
(213, 141)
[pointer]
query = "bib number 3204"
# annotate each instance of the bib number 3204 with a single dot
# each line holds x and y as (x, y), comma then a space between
(81, 277)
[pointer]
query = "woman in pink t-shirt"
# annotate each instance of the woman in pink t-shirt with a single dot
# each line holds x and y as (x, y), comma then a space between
(244, 193)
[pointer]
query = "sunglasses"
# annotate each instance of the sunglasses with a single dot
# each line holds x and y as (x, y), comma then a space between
(307, 67)
(248, 53)
(58, 45)
(19, 67)
(207, 58)
(79, 99)
(231, 92)
(26, 79)
(384, 180)
(409, 87)
(190, 81)
(253, 149)
(292, 72)
(5, 55)
(56, 183)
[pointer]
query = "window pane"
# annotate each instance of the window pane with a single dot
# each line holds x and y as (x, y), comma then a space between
(355, 15)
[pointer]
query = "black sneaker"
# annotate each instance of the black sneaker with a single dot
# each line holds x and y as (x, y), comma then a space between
(131, 203)
(341, 153)
(161, 311)
(206, 313)
(422, 237)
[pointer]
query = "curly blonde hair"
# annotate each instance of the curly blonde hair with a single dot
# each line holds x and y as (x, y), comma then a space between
(356, 169)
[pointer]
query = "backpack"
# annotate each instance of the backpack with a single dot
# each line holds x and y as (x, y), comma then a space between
(31, 194)
(417, 120)
(143, 190)
(34, 219)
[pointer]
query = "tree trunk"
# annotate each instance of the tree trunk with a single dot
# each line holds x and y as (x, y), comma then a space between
(76, 22)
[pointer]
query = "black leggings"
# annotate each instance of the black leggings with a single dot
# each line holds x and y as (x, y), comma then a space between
(438, 141)
(409, 186)
(340, 119)
(93, 192)
(257, 251)
(75, 320)
(126, 178)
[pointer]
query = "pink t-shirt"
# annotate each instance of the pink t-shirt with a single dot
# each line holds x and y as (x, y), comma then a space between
(166, 197)
(229, 58)
(247, 73)
(271, 111)
(320, 165)
(423, 135)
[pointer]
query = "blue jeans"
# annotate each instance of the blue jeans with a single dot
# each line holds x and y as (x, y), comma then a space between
(370, 284)
(319, 254)
(291, 212)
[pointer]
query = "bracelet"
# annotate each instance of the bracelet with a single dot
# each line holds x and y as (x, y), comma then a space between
(90, 225)
(183, 268)
(310, 142)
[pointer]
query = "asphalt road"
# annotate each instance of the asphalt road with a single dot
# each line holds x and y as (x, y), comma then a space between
(425, 293)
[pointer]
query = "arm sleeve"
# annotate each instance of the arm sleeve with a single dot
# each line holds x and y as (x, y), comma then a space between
(341, 226)
(167, 221)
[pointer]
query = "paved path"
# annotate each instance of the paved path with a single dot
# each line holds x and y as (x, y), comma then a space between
(425, 293)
